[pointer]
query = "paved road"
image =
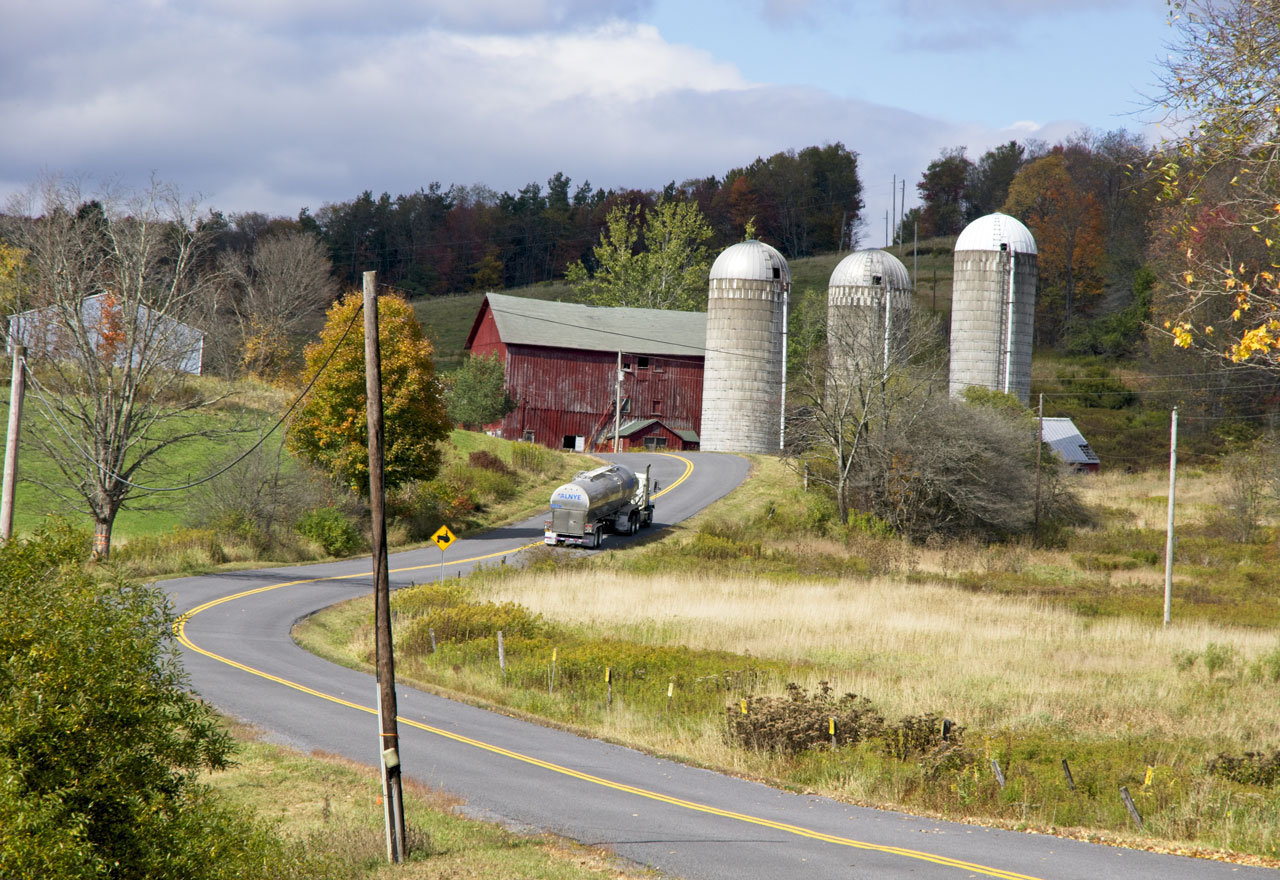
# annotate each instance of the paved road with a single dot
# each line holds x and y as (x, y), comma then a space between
(683, 822)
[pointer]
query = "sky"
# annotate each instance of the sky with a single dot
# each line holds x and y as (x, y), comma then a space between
(277, 105)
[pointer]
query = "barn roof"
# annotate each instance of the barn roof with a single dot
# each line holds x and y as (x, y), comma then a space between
(523, 321)
(1065, 439)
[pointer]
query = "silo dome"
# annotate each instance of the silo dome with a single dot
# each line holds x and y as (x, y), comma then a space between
(868, 314)
(993, 302)
(997, 232)
(744, 372)
(751, 261)
(871, 268)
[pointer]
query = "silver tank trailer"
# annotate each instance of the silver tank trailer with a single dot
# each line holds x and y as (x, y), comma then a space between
(592, 498)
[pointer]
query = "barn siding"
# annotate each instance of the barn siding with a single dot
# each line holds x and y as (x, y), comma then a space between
(561, 392)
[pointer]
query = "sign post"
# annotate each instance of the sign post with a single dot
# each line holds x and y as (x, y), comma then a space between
(443, 538)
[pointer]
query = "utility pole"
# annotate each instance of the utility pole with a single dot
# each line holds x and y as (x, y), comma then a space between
(17, 389)
(902, 211)
(617, 405)
(893, 197)
(388, 735)
(1168, 541)
(1039, 450)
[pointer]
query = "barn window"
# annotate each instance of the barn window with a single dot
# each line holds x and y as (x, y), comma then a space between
(626, 366)
(528, 436)
(657, 365)
(568, 441)
(654, 442)
(657, 407)
(626, 404)
(642, 363)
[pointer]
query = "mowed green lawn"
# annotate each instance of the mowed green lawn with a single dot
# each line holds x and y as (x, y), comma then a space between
(147, 513)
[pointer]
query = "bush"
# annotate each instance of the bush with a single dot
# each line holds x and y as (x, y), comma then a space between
(1251, 768)
(100, 738)
(801, 721)
(483, 458)
(332, 531)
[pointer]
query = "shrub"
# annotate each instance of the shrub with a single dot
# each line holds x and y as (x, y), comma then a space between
(801, 721)
(332, 531)
(1251, 768)
(483, 458)
(100, 738)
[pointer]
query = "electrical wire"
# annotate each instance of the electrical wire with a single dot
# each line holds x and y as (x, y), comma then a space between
(50, 411)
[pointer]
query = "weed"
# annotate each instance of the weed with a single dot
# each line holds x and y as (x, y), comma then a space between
(332, 531)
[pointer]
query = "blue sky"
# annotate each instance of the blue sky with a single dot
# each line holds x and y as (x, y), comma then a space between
(275, 105)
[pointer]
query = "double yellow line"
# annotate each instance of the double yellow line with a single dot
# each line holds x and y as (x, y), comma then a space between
(180, 629)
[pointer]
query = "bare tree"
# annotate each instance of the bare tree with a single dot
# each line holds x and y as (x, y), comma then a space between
(107, 284)
(855, 387)
(273, 292)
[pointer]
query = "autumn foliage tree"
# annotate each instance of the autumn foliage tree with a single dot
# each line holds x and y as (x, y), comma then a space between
(330, 428)
(1068, 224)
(1221, 179)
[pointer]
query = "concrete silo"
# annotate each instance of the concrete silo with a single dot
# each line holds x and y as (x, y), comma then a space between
(993, 303)
(868, 312)
(743, 381)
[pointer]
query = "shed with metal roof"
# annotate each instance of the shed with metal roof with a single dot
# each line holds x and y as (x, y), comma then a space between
(1066, 441)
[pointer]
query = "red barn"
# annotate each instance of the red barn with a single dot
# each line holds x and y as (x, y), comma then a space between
(561, 363)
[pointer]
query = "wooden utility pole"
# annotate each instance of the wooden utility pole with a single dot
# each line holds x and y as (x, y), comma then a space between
(1168, 541)
(388, 735)
(1039, 451)
(17, 389)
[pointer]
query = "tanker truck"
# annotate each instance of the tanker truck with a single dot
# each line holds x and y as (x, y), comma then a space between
(612, 498)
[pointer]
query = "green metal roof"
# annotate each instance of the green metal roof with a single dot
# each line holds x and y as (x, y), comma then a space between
(626, 429)
(598, 328)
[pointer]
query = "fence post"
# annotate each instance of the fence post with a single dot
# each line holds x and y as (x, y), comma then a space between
(1131, 806)
(502, 654)
(995, 766)
(1066, 771)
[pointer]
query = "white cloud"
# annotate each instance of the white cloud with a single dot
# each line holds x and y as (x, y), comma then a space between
(261, 118)
(502, 16)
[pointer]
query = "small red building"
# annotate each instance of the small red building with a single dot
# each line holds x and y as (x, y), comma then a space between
(562, 368)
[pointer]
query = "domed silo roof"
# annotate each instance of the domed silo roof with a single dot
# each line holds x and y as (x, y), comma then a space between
(990, 232)
(751, 261)
(745, 366)
(871, 268)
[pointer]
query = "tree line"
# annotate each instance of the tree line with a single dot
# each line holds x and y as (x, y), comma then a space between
(1088, 201)
(442, 239)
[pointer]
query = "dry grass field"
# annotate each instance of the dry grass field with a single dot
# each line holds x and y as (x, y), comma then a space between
(1041, 654)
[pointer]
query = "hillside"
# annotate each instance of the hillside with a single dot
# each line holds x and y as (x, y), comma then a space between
(447, 319)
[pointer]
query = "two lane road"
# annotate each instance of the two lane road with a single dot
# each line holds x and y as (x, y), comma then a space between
(682, 821)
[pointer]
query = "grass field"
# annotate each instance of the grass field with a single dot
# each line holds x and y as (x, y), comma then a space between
(1042, 655)
(332, 807)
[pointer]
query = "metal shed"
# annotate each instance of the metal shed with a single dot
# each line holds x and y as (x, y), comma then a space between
(1066, 441)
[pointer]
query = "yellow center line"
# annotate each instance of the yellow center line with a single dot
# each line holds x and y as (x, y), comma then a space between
(180, 628)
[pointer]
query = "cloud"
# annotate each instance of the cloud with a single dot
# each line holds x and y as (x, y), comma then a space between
(807, 12)
(261, 118)
(490, 16)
